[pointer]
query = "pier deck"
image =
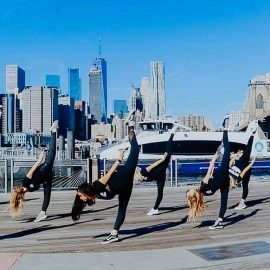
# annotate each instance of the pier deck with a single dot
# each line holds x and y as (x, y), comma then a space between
(167, 231)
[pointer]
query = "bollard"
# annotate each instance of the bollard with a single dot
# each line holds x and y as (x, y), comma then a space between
(95, 174)
(70, 145)
(61, 146)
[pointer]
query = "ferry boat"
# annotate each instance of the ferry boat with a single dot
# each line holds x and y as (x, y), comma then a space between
(191, 150)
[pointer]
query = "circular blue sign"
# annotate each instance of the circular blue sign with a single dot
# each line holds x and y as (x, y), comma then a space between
(259, 146)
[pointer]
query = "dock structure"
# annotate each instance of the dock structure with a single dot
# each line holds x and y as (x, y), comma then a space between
(164, 241)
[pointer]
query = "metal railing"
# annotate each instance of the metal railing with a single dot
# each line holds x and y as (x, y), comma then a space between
(67, 174)
(22, 153)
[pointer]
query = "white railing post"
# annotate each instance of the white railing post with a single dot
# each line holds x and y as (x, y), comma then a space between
(171, 171)
(6, 176)
(104, 166)
(11, 173)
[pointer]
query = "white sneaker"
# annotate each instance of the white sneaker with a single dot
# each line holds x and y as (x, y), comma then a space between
(173, 130)
(153, 212)
(241, 206)
(218, 224)
(54, 126)
(41, 216)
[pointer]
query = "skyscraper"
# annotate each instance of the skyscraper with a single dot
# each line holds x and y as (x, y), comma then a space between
(98, 90)
(39, 108)
(15, 79)
(53, 81)
(120, 107)
(74, 83)
(147, 99)
(66, 114)
(158, 89)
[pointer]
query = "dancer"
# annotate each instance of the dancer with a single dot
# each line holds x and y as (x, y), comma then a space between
(240, 166)
(157, 172)
(117, 181)
(40, 173)
(215, 179)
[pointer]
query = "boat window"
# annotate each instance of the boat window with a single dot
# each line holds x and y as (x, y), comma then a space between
(188, 147)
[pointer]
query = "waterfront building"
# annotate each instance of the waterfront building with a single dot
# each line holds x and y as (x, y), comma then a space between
(15, 79)
(103, 130)
(74, 83)
(81, 120)
(157, 84)
(11, 115)
(4, 113)
(195, 122)
(53, 81)
(120, 128)
(258, 98)
(256, 104)
(120, 107)
(135, 101)
(39, 108)
(98, 90)
(146, 99)
(238, 118)
(66, 114)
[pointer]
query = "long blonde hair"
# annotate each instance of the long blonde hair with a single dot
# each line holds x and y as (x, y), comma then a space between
(196, 204)
(16, 201)
(232, 182)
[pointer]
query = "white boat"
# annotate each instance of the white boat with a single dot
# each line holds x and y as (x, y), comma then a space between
(187, 144)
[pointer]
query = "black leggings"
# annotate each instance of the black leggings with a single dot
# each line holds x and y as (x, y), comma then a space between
(159, 173)
(45, 170)
(125, 179)
(245, 183)
(243, 161)
(221, 176)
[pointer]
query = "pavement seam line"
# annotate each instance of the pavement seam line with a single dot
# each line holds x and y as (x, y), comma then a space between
(107, 260)
(16, 261)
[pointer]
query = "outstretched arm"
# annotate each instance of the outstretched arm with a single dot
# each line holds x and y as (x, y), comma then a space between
(247, 168)
(210, 168)
(35, 166)
(105, 178)
(155, 164)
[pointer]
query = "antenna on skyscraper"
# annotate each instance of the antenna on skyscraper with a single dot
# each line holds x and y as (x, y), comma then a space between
(99, 46)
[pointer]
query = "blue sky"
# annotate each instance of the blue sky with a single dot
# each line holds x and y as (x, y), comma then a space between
(211, 49)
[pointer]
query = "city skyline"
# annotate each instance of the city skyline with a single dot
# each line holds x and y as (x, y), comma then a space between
(208, 47)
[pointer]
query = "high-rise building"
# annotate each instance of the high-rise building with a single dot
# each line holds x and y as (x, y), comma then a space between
(53, 81)
(120, 107)
(146, 99)
(4, 113)
(11, 117)
(195, 122)
(66, 114)
(98, 90)
(80, 120)
(39, 108)
(158, 89)
(74, 83)
(135, 102)
(15, 79)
